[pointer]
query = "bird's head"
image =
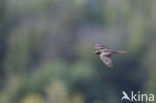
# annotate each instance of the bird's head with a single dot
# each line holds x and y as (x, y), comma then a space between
(99, 46)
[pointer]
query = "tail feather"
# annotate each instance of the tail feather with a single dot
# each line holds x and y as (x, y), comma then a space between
(122, 52)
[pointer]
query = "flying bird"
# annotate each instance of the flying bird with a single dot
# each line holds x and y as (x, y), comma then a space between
(105, 54)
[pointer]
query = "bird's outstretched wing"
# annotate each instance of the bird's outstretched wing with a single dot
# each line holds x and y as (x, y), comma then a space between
(107, 60)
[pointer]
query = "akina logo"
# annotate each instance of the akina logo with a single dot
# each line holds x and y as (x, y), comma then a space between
(137, 97)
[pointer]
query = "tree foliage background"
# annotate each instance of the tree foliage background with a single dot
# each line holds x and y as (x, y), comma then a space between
(47, 50)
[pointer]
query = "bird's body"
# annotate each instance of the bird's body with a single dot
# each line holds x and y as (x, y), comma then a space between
(105, 54)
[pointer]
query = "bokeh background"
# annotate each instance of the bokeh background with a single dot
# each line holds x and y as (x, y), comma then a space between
(47, 50)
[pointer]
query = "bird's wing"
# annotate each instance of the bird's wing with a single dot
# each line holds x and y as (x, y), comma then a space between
(107, 60)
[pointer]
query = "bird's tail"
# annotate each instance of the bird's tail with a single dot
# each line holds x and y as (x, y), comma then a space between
(122, 52)
(119, 52)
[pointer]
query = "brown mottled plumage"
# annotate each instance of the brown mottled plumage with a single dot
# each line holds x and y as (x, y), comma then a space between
(105, 54)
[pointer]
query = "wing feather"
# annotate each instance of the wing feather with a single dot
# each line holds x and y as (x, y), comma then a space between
(107, 60)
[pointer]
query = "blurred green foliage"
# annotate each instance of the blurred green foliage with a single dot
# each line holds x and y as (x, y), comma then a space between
(47, 50)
